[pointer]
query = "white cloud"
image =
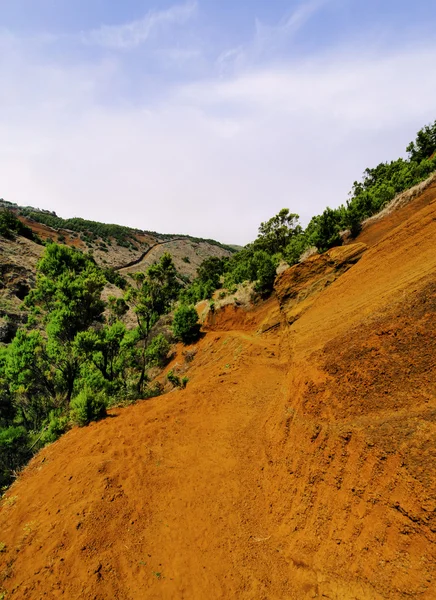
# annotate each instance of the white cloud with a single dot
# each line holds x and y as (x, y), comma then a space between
(269, 40)
(214, 158)
(291, 24)
(135, 33)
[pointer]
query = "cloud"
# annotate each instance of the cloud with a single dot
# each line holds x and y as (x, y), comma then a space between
(269, 41)
(291, 24)
(133, 34)
(213, 157)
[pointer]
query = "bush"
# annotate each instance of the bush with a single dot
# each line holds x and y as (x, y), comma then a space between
(115, 278)
(185, 324)
(58, 424)
(14, 452)
(157, 351)
(176, 381)
(173, 378)
(87, 406)
(10, 226)
(265, 271)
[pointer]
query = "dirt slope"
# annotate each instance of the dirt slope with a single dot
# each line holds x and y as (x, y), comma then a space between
(298, 463)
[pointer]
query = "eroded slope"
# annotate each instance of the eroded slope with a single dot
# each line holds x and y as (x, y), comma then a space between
(298, 463)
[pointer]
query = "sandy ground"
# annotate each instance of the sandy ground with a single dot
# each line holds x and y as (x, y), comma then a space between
(298, 463)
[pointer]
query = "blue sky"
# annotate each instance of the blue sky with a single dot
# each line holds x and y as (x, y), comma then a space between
(204, 116)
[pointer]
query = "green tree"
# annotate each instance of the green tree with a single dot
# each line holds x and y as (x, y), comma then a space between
(30, 378)
(263, 271)
(68, 291)
(186, 327)
(323, 230)
(157, 351)
(14, 452)
(152, 296)
(211, 270)
(424, 145)
(276, 233)
(106, 348)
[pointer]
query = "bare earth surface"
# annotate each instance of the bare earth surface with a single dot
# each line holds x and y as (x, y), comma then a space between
(298, 463)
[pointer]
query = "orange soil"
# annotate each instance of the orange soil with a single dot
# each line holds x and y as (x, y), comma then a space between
(45, 232)
(297, 464)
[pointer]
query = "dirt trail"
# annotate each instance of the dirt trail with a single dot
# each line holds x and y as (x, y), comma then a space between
(297, 464)
(137, 261)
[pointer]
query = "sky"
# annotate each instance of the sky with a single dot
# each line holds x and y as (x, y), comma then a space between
(206, 117)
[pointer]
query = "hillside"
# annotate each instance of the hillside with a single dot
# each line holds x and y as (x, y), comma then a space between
(124, 249)
(297, 464)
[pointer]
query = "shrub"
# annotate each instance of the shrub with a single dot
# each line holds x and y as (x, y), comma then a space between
(173, 378)
(265, 271)
(114, 277)
(185, 324)
(157, 351)
(87, 406)
(10, 226)
(58, 424)
(14, 452)
(176, 381)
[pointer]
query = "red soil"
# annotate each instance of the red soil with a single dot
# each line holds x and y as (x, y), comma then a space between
(297, 464)
(45, 232)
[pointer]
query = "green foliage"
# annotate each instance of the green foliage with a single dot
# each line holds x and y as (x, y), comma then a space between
(263, 269)
(89, 230)
(173, 378)
(107, 348)
(197, 240)
(276, 234)
(211, 270)
(197, 291)
(251, 264)
(154, 293)
(186, 327)
(26, 369)
(153, 296)
(425, 144)
(7, 409)
(207, 281)
(87, 406)
(10, 226)
(14, 452)
(58, 424)
(72, 357)
(176, 381)
(296, 247)
(157, 351)
(323, 231)
(117, 308)
(58, 260)
(115, 278)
